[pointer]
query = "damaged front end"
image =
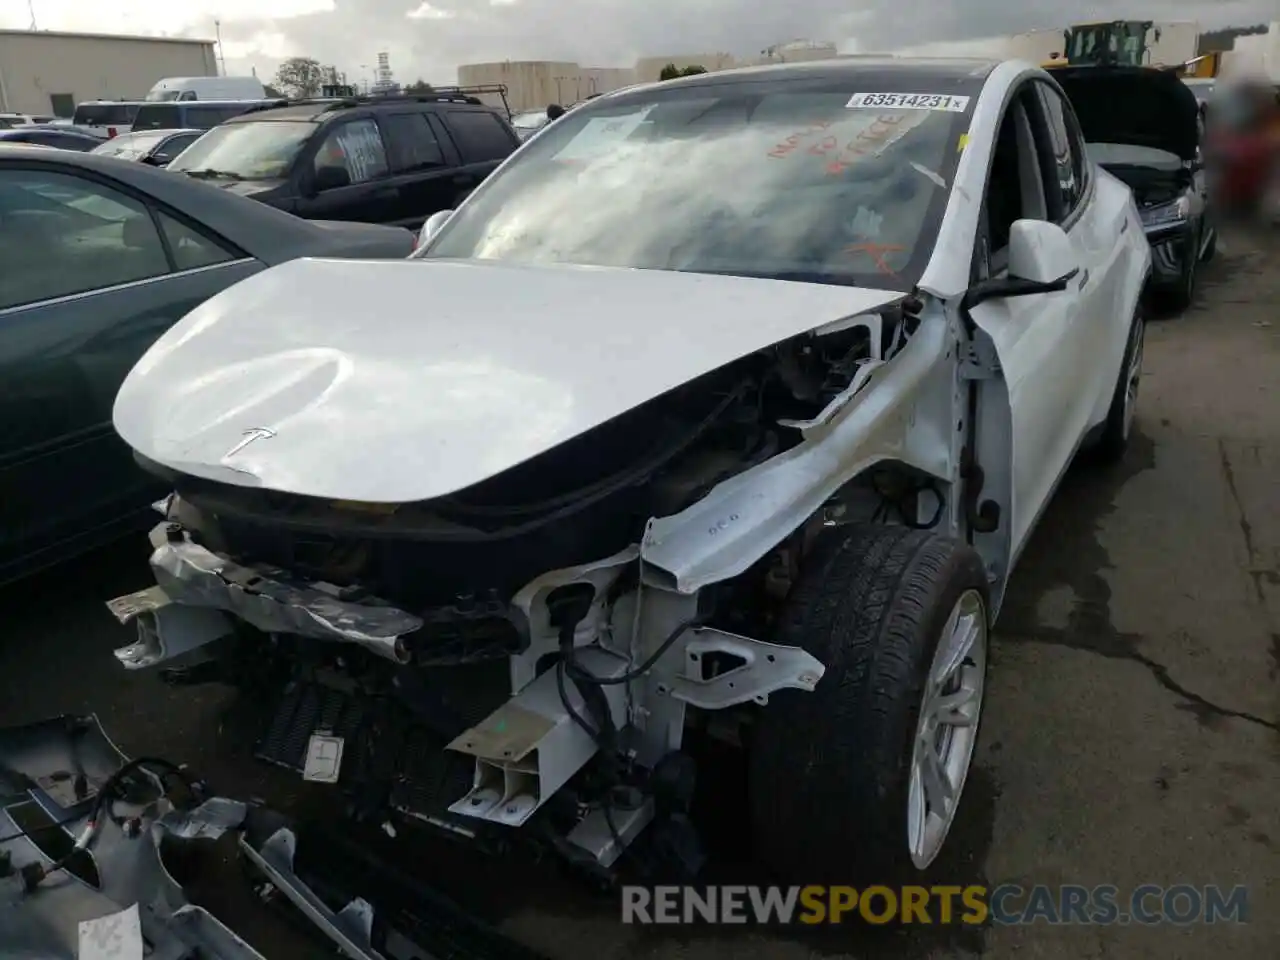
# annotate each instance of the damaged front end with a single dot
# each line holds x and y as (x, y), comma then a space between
(530, 649)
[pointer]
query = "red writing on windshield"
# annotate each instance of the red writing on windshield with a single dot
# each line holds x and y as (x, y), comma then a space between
(793, 142)
(878, 252)
(879, 133)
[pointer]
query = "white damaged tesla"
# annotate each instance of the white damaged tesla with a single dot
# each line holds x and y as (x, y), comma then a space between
(723, 409)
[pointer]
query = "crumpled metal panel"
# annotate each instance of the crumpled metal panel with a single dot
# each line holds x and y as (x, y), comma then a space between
(74, 755)
(193, 575)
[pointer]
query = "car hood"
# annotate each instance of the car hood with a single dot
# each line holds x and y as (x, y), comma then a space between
(1141, 106)
(400, 381)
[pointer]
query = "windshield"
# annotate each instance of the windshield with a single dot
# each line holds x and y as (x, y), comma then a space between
(132, 145)
(263, 150)
(725, 179)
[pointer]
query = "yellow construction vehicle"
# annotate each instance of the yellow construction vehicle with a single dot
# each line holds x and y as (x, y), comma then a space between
(1205, 66)
(1125, 42)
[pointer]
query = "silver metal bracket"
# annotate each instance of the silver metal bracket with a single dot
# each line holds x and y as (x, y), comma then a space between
(529, 747)
(165, 629)
(978, 359)
(764, 668)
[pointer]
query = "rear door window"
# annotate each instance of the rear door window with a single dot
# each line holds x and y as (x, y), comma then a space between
(357, 147)
(105, 114)
(1068, 148)
(158, 116)
(480, 135)
(411, 143)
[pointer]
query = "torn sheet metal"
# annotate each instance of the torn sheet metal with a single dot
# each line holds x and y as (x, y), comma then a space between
(119, 875)
(189, 574)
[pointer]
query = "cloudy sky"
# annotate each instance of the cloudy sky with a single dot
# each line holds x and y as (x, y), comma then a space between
(429, 38)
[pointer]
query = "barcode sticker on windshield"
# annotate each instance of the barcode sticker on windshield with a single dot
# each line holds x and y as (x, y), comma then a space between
(910, 101)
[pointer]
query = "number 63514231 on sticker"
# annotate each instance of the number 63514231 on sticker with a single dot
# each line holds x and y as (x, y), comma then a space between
(910, 101)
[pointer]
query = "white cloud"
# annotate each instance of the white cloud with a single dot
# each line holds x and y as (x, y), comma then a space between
(440, 34)
(427, 12)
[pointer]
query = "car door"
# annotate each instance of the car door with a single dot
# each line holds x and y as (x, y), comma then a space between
(420, 168)
(93, 274)
(483, 141)
(1038, 339)
(364, 193)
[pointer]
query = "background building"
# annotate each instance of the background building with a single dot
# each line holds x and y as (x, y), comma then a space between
(532, 84)
(46, 72)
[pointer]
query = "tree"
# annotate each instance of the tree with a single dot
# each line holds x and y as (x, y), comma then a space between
(671, 71)
(419, 86)
(271, 92)
(300, 77)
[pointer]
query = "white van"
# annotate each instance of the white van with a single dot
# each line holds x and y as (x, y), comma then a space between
(207, 88)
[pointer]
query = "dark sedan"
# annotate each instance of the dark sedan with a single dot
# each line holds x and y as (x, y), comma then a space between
(156, 147)
(59, 137)
(98, 257)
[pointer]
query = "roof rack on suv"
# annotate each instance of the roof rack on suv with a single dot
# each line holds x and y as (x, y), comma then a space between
(468, 95)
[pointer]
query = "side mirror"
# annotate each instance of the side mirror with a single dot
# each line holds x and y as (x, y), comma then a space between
(330, 178)
(158, 159)
(432, 227)
(1041, 260)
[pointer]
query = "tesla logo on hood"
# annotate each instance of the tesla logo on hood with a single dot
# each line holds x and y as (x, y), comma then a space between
(257, 433)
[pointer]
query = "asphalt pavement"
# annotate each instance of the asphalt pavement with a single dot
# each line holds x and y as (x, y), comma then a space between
(1132, 725)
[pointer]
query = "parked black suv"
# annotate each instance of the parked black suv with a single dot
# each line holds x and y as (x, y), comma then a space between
(377, 159)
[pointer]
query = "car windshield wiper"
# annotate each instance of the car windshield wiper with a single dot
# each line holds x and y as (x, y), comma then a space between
(208, 173)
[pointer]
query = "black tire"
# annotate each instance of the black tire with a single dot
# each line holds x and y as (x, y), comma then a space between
(1118, 428)
(829, 770)
(1210, 248)
(1182, 296)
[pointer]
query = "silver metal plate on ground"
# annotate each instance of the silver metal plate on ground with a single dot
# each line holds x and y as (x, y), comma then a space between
(324, 759)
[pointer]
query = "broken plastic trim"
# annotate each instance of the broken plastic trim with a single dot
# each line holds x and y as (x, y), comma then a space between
(189, 574)
(61, 763)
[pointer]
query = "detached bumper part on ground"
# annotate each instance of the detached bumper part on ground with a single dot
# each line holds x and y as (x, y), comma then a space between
(56, 769)
(119, 890)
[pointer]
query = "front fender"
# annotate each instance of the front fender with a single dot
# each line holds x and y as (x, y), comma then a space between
(746, 516)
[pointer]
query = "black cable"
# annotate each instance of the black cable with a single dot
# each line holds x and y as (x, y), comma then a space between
(101, 804)
(644, 668)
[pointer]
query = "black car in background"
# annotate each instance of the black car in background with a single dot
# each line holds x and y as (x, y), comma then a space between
(1144, 126)
(156, 147)
(378, 159)
(49, 137)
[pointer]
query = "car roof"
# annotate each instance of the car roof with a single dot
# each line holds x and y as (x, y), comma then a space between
(860, 73)
(44, 128)
(258, 228)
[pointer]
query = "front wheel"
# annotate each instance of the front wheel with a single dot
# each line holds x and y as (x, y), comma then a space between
(864, 775)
